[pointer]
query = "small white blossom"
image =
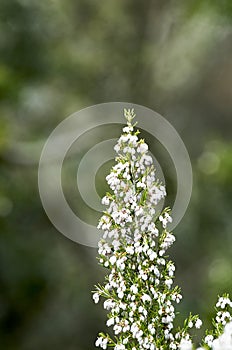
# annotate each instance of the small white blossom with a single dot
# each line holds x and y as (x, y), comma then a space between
(209, 340)
(185, 344)
(198, 323)
(142, 148)
(145, 298)
(101, 342)
(96, 298)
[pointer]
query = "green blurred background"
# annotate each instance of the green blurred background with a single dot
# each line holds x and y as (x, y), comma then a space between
(60, 56)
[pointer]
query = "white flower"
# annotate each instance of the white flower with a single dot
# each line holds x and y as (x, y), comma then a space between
(209, 340)
(141, 184)
(108, 304)
(198, 323)
(152, 255)
(117, 329)
(113, 259)
(145, 298)
(185, 344)
(127, 129)
(96, 298)
(130, 250)
(134, 289)
(142, 148)
(102, 342)
(117, 148)
(169, 282)
(165, 219)
(190, 324)
(105, 200)
(110, 321)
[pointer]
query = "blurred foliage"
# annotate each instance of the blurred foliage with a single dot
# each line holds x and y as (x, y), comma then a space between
(60, 56)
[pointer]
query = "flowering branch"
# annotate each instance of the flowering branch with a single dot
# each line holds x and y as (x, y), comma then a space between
(138, 291)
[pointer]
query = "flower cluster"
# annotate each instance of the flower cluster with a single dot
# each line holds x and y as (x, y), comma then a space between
(221, 337)
(138, 291)
(224, 341)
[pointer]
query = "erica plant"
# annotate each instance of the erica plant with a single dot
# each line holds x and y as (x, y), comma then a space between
(138, 291)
